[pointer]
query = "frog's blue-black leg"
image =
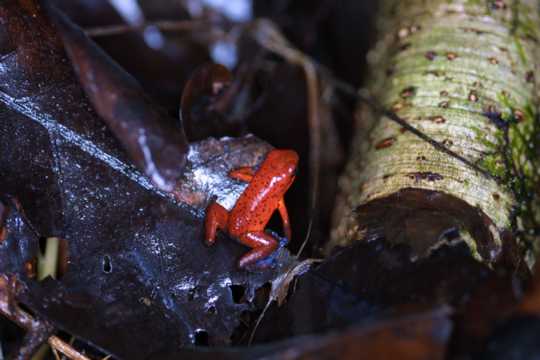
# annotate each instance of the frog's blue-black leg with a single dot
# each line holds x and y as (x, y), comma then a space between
(262, 245)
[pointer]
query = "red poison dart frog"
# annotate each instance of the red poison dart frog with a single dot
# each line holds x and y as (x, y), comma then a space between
(253, 209)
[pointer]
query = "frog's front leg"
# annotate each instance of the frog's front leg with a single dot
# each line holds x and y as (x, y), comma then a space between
(262, 246)
(217, 217)
(244, 174)
(285, 218)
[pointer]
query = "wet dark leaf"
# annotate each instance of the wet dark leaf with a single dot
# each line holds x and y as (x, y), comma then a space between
(499, 319)
(150, 137)
(370, 281)
(517, 339)
(18, 243)
(139, 280)
(490, 304)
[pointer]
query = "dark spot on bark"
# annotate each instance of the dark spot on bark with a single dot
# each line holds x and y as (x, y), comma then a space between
(408, 92)
(493, 61)
(473, 96)
(496, 196)
(383, 144)
(386, 176)
(444, 93)
(421, 158)
(451, 55)
(415, 28)
(473, 30)
(444, 104)
(437, 73)
(428, 175)
(430, 55)
(404, 46)
(529, 76)
(503, 49)
(518, 114)
(498, 5)
(438, 119)
(448, 142)
(390, 71)
(403, 130)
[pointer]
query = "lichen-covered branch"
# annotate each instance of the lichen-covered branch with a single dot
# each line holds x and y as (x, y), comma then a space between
(464, 73)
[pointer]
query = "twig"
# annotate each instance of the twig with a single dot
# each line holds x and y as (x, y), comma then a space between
(259, 319)
(59, 345)
(268, 36)
(37, 331)
(163, 25)
(280, 289)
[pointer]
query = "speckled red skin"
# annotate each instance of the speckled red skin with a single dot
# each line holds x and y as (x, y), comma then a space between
(253, 209)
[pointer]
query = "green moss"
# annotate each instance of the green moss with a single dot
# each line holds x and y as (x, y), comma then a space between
(481, 138)
(507, 109)
(494, 163)
(522, 25)
(520, 50)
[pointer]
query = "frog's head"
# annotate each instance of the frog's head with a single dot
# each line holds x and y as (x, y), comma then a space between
(283, 163)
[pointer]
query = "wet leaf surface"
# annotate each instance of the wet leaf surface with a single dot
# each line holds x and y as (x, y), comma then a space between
(155, 142)
(371, 281)
(136, 257)
(18, 244)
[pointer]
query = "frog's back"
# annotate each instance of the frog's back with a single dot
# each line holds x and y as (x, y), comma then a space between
(258, 202)
(255, 206)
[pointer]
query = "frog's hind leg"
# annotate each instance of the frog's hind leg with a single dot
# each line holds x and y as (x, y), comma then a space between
(217, 217)
(262, 244)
